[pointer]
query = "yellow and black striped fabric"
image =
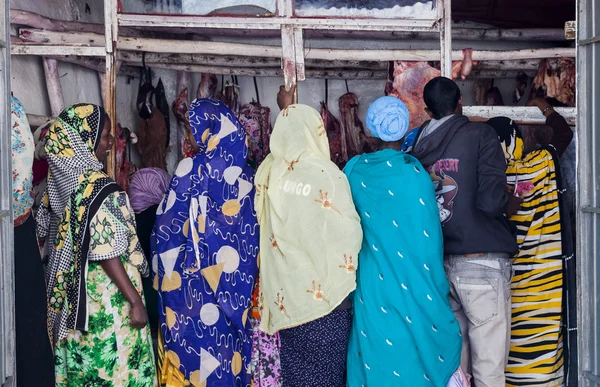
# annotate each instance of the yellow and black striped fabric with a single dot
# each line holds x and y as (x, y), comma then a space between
(536, 353)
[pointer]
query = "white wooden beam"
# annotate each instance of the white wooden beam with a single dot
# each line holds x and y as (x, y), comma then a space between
(55, 50)
(275, 23)
(110, 100)
(288, 59)
(65, 37)
(285, 8)
(53, 87)
(299, 54)
(521, 114)
(445, 38)
(237, 49)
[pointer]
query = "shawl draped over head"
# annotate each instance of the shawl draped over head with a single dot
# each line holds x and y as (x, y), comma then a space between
(403, 324)
(387, 119)
(536, 330)
(310, 231)
(147, 188)
(510, 137)
(205, 247)
(76, 189)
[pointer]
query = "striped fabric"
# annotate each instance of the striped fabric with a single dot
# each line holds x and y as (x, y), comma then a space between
(536, 353)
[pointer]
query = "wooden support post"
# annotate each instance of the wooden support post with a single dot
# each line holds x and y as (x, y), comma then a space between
(445, 24)
(288, 60)
(102, 79)
(111, 35)
(299, 53)
(55, 94)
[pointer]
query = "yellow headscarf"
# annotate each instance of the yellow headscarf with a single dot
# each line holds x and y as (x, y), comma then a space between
(310, 232)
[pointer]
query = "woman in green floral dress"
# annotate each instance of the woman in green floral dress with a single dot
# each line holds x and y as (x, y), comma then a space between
(97, 320)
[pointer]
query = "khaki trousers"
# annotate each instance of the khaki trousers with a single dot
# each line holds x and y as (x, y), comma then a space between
(480, 289)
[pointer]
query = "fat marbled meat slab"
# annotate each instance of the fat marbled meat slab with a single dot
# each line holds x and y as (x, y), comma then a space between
(410, 78)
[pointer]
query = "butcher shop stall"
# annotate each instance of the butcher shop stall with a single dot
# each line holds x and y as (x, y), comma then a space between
(145, 61)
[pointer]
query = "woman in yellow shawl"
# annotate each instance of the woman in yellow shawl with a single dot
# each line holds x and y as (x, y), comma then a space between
(309, 242)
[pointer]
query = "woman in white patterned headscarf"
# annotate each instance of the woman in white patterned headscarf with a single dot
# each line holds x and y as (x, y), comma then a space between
(97, 321)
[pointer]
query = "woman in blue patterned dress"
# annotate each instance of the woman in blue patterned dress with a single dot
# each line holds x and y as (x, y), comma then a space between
(205, 247)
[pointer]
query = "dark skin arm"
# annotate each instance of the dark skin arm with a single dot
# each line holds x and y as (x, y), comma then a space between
(113, 267)
(562, 133)
(117, 274)
(285, 98)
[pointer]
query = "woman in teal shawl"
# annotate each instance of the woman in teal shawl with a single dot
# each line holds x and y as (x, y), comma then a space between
(404, 332)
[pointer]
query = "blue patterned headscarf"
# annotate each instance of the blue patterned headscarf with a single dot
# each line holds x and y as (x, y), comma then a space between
(205, 246)
(387, 119)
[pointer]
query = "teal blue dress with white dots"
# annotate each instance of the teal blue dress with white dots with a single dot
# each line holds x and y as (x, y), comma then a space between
(404, 332)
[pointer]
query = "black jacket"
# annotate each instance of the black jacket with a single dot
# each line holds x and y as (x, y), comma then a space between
(468, 169)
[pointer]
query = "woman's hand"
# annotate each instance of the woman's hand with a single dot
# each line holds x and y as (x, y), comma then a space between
(513, 205)
(138, 315)
(285, 98)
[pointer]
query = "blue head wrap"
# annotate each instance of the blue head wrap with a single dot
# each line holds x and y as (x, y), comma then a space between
(387, 119)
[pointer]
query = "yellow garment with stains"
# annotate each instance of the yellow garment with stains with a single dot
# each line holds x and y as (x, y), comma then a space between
(310, 232)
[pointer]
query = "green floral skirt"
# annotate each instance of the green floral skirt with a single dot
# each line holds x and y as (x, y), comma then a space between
(111, 353)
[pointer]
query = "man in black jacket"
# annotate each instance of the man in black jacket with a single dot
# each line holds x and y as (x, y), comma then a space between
(468, 169)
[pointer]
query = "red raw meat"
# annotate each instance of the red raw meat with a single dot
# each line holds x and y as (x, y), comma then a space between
(519, 92)
(555, 79)
(180, 108)
(411, 77)
(334, 135)
(231, 97)
(124, 168)
(208, 86)
(357, 142)
(151, 139)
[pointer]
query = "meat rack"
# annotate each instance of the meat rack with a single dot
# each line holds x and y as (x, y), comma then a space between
(116, 48)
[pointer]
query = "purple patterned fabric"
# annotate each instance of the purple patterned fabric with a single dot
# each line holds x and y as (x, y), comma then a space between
(147, 188)
(266, 362)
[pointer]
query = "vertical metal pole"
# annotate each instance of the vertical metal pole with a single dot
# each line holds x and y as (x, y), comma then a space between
(445, 23)
(587, 194)
(7, 289)
(111, 35)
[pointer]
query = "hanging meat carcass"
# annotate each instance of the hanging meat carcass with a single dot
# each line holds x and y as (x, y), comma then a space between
(410, 79)
(334, 135)
(163, 106)
(555, 79)
(480, 88)
(124, 168)
(357, 142)
(493, 97)
(180, 108)
(519, 92)
(256, 120)
(151, 140)
(231, 97)
(207, 88)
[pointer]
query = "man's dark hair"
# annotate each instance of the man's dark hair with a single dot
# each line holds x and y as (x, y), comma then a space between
(441, 96)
